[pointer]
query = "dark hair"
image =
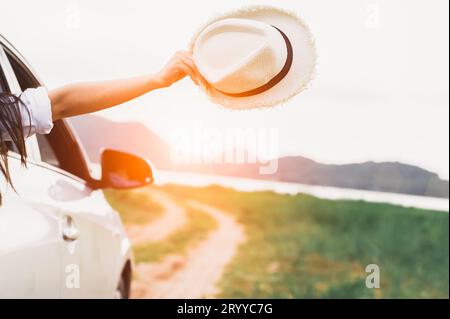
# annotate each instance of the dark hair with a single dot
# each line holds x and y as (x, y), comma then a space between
(11, 133)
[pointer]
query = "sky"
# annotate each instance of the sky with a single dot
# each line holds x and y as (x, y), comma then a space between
(380, 92)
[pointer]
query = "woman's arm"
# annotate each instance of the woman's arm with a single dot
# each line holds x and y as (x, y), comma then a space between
(82, 98)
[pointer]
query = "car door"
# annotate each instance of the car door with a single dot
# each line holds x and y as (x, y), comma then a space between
(30, 243)
(88, 236)
(91, 258)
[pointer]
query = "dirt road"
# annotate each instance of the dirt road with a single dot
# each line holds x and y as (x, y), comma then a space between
(171, 220)
(197, 273)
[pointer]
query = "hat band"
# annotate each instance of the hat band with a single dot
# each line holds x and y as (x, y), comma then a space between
(276, 79)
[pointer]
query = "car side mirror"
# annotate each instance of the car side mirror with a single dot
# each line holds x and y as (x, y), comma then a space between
(122, 170)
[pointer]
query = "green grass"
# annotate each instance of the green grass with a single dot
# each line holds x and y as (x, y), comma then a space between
(304, 247)
(134, 206)
(198, 226)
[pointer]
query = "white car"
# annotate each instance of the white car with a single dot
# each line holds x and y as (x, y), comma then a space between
(59, 238)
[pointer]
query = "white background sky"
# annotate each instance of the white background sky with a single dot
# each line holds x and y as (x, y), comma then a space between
(381, 91)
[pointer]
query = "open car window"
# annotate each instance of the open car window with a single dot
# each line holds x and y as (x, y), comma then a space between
(59, 148)
(4, 87)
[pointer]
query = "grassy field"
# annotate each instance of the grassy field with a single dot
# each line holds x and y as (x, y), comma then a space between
(134, 206)
(304, 247)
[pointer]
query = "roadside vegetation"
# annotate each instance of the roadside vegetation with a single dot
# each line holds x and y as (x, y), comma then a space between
(134, 206)
(304, 247)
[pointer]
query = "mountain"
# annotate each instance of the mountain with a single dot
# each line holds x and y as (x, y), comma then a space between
(390, 177)
(97, 133)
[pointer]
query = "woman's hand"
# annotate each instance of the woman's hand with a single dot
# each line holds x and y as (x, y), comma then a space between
(180, 65)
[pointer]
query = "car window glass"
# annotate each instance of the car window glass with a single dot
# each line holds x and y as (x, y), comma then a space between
(3, 84)
(22, 76)
(47, 153)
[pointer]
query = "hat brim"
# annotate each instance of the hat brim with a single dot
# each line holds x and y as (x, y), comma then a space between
(303, 64)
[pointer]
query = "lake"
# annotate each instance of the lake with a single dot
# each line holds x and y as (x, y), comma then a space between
(249, 185)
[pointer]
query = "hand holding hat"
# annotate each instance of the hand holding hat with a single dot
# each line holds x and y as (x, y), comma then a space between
(179, 66)
(254, 57)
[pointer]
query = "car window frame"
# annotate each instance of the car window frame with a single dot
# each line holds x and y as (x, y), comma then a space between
(31, 144)
(33, 151)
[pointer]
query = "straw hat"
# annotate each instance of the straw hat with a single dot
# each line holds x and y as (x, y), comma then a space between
(254, 57)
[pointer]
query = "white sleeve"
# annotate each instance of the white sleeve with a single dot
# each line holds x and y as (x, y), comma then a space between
(39, 120)
(36, 112)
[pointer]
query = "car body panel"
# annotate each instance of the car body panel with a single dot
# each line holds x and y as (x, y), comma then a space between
(37, 260)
